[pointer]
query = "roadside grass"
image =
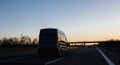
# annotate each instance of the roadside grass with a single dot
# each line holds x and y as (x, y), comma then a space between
(17, 50)
(115, 49)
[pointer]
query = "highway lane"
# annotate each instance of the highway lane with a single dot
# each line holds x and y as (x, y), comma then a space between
(113, 55)
(25, 59)
(83, 56)
(14, 56)
(77, 56)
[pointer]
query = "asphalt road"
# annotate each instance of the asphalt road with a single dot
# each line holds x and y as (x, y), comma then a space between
(77, 56)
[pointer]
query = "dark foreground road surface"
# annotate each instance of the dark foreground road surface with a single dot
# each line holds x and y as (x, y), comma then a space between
(77, 56)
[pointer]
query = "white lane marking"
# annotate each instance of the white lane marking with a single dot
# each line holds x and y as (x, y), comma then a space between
(13, 59)
(105, 57)
(54, 61)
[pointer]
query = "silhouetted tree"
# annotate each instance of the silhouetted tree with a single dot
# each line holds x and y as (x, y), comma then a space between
(23, 40)
(0, 42)
(16, 41)
(27, 40)
(5, 41)
(10, 41)
(35, 41)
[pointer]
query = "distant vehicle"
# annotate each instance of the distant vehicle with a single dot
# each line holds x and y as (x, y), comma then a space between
(53, 42)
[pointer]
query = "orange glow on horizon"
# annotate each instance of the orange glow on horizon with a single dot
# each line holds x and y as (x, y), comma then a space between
(77, 39)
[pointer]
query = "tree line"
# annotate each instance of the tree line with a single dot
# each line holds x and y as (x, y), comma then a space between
(14, 41)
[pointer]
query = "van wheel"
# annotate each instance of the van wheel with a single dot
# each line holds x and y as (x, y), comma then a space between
(67, 53)
(59, 54)
(43, 55)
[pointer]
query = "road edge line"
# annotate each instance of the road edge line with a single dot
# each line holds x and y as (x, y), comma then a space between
(105, 57)
(54, 61)
(13, 59)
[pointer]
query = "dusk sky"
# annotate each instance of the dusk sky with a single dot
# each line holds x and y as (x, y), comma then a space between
(80, 20)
